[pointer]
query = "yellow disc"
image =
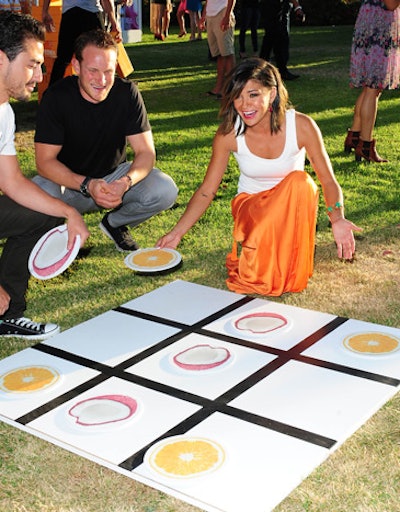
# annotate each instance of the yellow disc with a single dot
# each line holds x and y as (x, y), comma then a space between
(186, 457)
(154, 258)
(28, 379)
(372, 343)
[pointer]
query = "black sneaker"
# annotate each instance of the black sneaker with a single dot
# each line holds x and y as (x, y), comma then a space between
(120, 236)
(26, 328)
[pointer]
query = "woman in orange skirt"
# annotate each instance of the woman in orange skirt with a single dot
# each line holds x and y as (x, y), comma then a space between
(275, 209)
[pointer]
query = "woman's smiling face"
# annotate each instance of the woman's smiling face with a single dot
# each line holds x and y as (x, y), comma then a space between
(253, 103)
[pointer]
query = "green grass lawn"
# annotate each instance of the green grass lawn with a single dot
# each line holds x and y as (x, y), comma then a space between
(364, 474)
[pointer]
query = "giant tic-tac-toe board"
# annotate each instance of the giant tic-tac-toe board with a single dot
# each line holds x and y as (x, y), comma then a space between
(224, 401)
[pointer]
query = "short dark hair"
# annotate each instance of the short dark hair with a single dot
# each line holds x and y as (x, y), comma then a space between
(268, 76)
(15, 29)
(99, 38)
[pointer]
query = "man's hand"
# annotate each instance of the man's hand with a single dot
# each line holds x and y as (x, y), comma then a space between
(107, 195)
(76, 226)
(300, 16)
(48, 21)
(225, 23)
(4, 301)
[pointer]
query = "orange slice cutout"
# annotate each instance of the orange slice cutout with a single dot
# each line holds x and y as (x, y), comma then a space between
(28, 379)
(186, 457)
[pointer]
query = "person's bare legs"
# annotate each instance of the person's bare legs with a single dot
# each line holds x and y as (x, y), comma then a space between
(365, 111)
(224, 66)
(356, 126)
(159, 22)
(166, 21)
(193, 25)
(198, 26)
(180, 16)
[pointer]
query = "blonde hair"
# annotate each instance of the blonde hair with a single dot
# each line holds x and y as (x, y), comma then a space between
(269, 77)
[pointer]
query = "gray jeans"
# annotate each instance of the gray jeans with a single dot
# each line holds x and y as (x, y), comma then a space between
(152, 195)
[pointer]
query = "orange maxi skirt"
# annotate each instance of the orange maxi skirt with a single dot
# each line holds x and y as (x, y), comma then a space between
(276, 232)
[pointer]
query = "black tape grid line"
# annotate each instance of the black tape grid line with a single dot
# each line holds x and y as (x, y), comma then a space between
(136, 459)
(292, 354)
(208, 406)
(219, 404)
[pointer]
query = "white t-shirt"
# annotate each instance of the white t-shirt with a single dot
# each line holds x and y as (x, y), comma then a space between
(258, 174)
(7, 130)
(215, 6)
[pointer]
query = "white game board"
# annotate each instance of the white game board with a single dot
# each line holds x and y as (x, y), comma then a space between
(278, 405)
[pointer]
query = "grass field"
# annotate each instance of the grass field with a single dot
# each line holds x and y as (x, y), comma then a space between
(364, 474)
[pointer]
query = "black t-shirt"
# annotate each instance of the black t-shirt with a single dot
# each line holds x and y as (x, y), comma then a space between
(92, 135)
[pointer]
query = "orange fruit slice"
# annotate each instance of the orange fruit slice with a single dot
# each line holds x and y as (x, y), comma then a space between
(153, 258)
(184, 457)
(28, 378)
(372, 343)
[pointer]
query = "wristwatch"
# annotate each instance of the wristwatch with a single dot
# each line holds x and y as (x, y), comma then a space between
(83, 189)
(130, 181)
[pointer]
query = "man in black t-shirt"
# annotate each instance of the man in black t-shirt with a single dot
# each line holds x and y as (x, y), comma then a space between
(82, 127)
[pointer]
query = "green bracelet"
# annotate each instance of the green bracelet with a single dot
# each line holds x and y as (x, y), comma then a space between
(336, 207)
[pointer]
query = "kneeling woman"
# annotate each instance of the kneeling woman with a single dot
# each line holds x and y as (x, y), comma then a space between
(275, 209)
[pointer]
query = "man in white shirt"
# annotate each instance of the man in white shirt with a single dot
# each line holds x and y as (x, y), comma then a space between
(26, 212)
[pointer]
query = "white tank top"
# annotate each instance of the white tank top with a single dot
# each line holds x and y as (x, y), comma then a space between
(258, 174)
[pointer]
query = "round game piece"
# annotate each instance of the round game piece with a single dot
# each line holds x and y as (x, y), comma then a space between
(260, 324)
(28, 379)
(153, 260)
(372, 343)
(201, 357)
(185, 457)
(103, 410)
(50, 256)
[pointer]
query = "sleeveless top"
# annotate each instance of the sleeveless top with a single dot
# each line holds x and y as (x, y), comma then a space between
(256, 173)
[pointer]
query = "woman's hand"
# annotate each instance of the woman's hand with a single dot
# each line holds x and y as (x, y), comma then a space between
(170, 240)
(343, 234)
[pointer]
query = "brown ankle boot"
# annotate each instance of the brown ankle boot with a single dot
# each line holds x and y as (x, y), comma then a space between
(351, 141)
(367, 149)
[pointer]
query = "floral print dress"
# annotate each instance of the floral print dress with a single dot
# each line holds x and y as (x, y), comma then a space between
(375, 51)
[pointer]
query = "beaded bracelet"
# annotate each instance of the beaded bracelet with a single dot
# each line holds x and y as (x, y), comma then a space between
(337, 206)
